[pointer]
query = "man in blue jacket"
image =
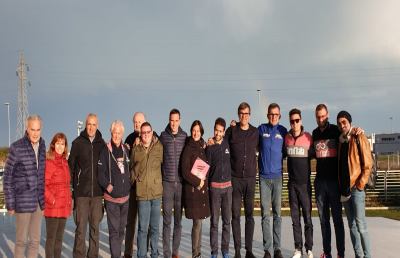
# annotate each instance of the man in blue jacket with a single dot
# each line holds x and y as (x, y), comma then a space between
(271, 147)
(24, 187)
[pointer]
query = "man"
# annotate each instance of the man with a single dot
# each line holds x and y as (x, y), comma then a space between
(326, 185)
(24, 187)
(218, 156)
(298, 144)
(355, 163)
(173, 140)
(146, 160)
(87, 193)
(271, 137)
(243, 143)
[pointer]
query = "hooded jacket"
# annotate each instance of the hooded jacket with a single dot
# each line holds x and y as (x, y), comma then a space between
(82, 162)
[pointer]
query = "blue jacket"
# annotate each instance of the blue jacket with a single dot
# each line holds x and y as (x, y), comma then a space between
(271, 150)
(23, 179)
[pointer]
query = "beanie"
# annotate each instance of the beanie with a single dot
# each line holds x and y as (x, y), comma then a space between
(344, 114)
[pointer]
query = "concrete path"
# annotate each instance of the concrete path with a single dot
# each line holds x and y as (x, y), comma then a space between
(384, 234)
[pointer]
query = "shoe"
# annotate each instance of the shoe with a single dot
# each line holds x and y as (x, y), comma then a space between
(340, 256)
(278, 254)
(309, 254)
(127, 256)
(267, 254)
(225, 255)
(249, 254)
(297, 254)
(175, 256)
(324, 255)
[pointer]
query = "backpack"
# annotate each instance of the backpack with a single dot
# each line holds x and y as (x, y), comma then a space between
(373, 176)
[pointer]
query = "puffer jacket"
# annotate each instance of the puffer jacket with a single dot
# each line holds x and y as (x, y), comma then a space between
(82, 162)
(145, 170)
(359, 174)
(57, 188)
(196, 201)
(23, 178)
(173, 146)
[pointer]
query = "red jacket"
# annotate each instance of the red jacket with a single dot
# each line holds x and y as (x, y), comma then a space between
(57, 188)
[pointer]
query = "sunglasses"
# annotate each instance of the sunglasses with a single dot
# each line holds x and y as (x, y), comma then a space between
(292, 122)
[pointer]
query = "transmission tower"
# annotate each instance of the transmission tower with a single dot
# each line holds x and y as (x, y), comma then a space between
(23, 113)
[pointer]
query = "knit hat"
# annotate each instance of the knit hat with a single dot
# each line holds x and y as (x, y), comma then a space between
(344, 114)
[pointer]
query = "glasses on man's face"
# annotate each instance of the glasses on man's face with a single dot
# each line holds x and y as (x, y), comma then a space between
(293, 121)
(273, 114)
(145, 132)
(244, 114)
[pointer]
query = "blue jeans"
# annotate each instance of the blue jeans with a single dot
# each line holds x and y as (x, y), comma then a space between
(271, 193)
(355, 211)
(149, 213)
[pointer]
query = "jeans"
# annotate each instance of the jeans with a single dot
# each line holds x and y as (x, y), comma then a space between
(221, 202)
(149, 213)
(271, 194)
(243, 188)
(54, 236)
(355, 211)
(172, 200)
(131, 222)
(328, 201)
(87, 210)
(300, 200)
(116, 220)
(27, 233)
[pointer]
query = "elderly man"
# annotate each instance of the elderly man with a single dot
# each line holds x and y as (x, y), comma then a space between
(87, 193)
(24, 187)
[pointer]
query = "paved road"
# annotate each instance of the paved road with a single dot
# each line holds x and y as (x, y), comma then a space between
(384, 233)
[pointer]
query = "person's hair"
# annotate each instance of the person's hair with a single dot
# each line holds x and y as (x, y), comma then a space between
(173, 112)
(146, 124)
(320, 107)
(138, 113)
(244, 105)
(272, 106)
(197, 122)
(52, 148)
(220, 121)
(115, 124)
(294, 111)
(90, 115)
(33, 118)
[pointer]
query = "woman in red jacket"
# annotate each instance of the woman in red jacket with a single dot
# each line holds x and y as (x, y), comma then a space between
(57, 194)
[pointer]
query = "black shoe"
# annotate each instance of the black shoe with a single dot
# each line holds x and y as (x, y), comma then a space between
(267, 254)
(278, 254)
(249, 254)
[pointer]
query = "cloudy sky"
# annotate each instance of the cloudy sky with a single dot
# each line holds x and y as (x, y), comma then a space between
(202, 57)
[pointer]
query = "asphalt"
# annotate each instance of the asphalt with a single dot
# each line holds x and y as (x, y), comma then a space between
(384, 234)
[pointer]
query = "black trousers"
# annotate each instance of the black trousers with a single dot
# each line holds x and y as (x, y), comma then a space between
(116, 220)
(54, 236)
(300, 201)
(243, 189)
(131, 222)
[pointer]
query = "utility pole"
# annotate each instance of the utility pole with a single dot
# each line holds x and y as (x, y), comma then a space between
(22, 113)
(8, 117)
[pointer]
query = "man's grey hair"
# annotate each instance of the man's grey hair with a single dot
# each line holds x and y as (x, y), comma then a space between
(33, 117)
(117, 123)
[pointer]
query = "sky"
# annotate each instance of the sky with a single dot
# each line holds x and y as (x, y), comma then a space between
(114, 58)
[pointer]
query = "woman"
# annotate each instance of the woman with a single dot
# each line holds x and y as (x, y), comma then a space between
(114, 178)
(57, 194)
(195, 190)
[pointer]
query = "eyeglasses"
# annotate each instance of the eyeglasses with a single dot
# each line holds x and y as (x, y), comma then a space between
(145, 132)
(273, 114)
(244, 114)
(293, 121)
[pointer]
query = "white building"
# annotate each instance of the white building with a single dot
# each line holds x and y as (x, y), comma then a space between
(386, 144)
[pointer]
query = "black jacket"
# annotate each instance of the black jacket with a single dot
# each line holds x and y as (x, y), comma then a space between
(173, 146)
(243, 146)
(82, 162)
(219, 158)
(108, 161)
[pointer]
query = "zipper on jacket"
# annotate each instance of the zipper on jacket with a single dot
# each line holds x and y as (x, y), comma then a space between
(173, 137)
(92, 166)
(79, 175)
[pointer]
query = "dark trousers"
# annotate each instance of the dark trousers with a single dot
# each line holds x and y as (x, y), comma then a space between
(54, 236)
(196, 237)
(221, 202)
(172, 200)
(131, 222)
(300, 198)
(243, 189)
(116, 220)
(87, 210)
(328, 201)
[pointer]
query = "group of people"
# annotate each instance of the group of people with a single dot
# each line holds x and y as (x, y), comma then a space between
(172, 172)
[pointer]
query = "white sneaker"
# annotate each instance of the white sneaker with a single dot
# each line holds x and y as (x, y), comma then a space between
(309, 254)
(297, 254)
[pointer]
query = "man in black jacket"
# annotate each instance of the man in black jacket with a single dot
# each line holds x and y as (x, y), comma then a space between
(219, 158)
(173, 140)
(87, 192)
